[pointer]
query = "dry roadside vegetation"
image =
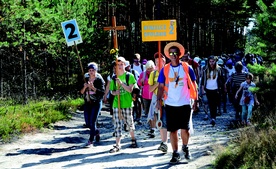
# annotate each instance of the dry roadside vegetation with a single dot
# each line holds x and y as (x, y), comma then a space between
(16, 119)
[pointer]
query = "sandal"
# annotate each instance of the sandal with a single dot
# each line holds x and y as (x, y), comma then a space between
(114, 149)
(133, 144)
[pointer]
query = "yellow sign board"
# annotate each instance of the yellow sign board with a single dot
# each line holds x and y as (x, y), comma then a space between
(159, 30)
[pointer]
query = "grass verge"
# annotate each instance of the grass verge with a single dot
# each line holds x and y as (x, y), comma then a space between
(18, 119)
(254, 148)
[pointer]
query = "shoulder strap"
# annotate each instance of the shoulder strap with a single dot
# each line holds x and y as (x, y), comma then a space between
(133, 72)
(113, 79)
(154, 73)
(127, 77)
(166, 72)
(191, 85)
(144, 76)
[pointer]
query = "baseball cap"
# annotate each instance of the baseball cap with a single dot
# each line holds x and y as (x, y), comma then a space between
(127, 63)
(197, 59)
(220, 62)
(121, 59)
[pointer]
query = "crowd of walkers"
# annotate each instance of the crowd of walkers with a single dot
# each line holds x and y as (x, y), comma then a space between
(167, 90)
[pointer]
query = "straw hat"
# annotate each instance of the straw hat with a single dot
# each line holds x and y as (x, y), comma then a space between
(176, 44)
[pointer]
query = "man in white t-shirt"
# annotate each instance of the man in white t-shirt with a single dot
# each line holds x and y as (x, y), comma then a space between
(137, 65)
(173, 87)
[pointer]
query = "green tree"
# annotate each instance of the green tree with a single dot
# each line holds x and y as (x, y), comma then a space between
(31, 28)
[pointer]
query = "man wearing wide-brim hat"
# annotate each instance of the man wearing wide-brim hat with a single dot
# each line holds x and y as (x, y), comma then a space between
(173, 89)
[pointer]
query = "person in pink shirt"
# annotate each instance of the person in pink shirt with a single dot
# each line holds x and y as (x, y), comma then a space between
(145, 87)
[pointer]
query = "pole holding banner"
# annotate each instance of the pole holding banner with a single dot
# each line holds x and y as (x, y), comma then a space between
(159, 30)
(72, 36)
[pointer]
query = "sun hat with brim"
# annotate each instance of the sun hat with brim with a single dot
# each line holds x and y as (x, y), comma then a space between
(176, 44)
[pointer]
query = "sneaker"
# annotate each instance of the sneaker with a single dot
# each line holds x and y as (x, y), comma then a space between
(97, 135)
(151, 134)
(175, 158)
(85, 126)
(213, 122)
(133, 144)
(163, 147)
(115, 149)
(187, 154)
(206, 117)
(139, 122)
(88, 144)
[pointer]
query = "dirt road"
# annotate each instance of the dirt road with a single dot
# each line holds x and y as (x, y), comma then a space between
(62, 147)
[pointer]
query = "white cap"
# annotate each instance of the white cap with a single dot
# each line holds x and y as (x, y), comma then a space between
(220, 62)
(127, 63)
(122, 59)
(197, 59)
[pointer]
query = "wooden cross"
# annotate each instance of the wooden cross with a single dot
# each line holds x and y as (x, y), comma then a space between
(114, 28)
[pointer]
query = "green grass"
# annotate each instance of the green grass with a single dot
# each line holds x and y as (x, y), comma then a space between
(254, 148)
(17, 119)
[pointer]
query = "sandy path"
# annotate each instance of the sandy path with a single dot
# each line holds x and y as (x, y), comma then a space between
(62, 147)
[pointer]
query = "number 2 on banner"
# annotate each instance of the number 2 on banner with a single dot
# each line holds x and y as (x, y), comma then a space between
(71, 32)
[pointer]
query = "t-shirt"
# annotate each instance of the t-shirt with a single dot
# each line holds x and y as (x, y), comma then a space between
(230, 71)
(146, 94)
(109, 78)
(125, 96)
(135, 73)
(138, 68)
(153, 80)
(237, 79)
(246, 92)
(211, 83)
(178, 94)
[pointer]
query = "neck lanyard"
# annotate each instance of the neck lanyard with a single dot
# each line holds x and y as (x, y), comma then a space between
(176, 77)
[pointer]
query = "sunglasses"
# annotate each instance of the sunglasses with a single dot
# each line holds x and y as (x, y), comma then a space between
(173, 53)
(176, 81)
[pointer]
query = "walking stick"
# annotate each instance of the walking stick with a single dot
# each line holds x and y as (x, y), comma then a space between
(119, 102)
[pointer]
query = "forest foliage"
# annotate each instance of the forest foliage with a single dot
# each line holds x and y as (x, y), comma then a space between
(36, 62)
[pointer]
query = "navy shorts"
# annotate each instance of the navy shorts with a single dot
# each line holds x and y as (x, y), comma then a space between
(178, 117)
